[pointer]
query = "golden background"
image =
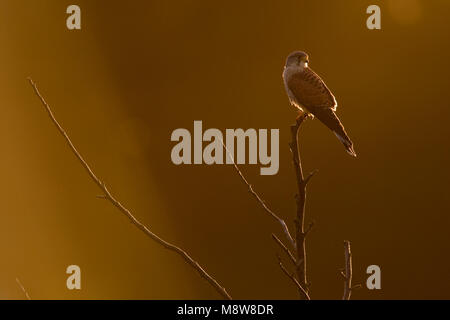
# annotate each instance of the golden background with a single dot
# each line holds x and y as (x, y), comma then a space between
(138, 70)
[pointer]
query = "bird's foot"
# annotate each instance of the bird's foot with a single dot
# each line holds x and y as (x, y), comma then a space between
(299, 115)
(305, 115)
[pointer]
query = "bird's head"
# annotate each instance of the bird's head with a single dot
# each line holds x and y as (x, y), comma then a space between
(297, 59)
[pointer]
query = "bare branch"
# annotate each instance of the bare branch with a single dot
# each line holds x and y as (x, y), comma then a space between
(261, 201)
(194, 264)
(348, 271)
(310, 226)
(300, 233)
(285, 249)
(304, 293)
(357, 286)
(23, 289)
(310, 175)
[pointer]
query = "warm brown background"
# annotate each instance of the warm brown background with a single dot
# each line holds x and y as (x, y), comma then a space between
(138, 70)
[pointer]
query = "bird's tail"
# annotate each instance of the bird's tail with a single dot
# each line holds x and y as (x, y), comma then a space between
(330, 119)
(348, 144)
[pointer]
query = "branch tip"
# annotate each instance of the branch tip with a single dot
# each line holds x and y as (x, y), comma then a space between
(310, 175)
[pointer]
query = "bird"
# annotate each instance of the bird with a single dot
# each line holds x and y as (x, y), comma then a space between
(309, 94)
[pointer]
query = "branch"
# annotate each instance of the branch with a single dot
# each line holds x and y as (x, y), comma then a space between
(23, 289)
(292, 277)
(310, 226)
(108, 196)
(261, 201)
(300, 233)
(347, 274)
(310, 175)
(285, 249)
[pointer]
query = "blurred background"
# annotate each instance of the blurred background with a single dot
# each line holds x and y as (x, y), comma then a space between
(137, 70)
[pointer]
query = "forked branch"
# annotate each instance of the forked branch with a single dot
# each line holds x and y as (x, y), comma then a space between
(299, 259)
(300, 232)
(108, 196)
(302, 290)
(285, 249)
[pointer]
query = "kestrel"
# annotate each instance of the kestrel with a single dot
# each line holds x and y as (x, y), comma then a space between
(308, 93)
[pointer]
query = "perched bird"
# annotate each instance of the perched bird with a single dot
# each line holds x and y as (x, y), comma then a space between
(308, 93)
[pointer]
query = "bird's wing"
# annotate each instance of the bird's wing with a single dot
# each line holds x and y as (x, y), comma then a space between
(310, 91)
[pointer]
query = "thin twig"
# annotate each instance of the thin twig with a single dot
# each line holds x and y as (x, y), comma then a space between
(300, 233)
(285, 249)
(310, 175)
(310, 226)
(304, 293)
(347, 274)
(221, 290)
(260, 200)
(356, 286)
(23, 289)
